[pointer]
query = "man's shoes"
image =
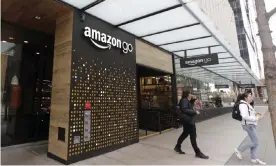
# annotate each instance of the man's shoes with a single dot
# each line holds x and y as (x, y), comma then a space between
(201, 155)
(178, 149)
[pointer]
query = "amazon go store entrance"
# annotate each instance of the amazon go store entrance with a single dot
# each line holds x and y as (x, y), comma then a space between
(26, 71)
(79, 85)
(27, 54)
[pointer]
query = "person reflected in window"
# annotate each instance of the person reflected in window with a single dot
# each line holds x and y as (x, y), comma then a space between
(187, 118)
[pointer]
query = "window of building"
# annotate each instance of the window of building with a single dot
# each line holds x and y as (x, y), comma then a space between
(240, 30)
(238, 16)
(235, 4)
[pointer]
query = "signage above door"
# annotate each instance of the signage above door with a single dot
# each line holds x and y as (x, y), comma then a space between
(246, 85)
(221, 86)
(106, 41)
(202, 60)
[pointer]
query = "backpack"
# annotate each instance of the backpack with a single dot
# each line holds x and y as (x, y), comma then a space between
(236, 114)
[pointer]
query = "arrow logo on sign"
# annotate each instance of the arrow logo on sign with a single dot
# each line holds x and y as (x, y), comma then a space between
(100, 46)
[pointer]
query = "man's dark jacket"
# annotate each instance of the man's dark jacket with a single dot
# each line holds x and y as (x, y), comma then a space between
(188, 115)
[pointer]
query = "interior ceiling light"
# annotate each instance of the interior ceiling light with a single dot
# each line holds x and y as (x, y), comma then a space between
(11, 38)
(37, 53)
(25, 41)
(37, 17)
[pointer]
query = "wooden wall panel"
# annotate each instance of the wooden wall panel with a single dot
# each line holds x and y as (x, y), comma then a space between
(152, 57)
(61, 85)
(4, 60)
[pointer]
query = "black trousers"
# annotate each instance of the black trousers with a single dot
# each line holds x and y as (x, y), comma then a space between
(189, 129)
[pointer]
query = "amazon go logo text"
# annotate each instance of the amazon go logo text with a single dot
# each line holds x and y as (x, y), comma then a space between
(197, 61)
(108, 41)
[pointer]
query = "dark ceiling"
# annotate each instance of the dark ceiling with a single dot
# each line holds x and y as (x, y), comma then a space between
(24, 13)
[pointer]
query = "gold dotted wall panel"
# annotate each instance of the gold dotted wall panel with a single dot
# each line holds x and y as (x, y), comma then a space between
(111, 89)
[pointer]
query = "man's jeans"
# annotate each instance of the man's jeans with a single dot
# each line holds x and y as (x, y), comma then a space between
(252, 133)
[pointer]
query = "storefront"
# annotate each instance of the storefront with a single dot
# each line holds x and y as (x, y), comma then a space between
(88, 81)
(81, 86)
(207, 93)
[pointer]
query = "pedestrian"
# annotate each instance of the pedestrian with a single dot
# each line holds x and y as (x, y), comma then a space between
(249, 122)
(187, 117)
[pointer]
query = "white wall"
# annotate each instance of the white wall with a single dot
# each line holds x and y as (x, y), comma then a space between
(250, 27)
(222, 16)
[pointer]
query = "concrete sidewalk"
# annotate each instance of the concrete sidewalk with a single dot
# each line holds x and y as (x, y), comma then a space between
(217, 138)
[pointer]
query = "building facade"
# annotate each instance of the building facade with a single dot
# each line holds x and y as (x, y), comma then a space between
(245, 15)
(87, 81)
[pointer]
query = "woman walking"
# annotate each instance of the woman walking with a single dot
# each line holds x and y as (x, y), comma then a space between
(187, 117)
(249, 123)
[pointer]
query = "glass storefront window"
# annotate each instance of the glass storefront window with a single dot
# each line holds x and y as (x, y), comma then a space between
(156, 92)
(206, 93)
(26, 67)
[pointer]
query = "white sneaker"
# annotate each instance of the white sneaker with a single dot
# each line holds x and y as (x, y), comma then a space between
(257, 161)
(238, 153)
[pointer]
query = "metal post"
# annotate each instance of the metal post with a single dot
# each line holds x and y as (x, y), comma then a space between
(174, 91)
(209, 50)
(159, 122)
(147, 121)
(185, 53)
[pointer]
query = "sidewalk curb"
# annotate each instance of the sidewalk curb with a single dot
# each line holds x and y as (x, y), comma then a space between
(153, 134)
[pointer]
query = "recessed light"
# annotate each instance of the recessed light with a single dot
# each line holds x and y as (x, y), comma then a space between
(11, 38)
(45, 46)
(26, 41)
(37, 17)
(4, 41)
(37, 53)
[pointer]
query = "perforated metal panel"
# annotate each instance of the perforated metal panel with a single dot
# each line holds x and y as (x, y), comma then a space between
(112, 93)
(107, 79)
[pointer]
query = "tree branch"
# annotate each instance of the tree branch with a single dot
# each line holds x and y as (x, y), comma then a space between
(269, 14)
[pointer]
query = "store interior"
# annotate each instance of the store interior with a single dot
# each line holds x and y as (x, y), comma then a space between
(154, 100)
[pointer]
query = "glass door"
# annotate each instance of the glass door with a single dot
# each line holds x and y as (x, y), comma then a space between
(43, 95)
(27, 63)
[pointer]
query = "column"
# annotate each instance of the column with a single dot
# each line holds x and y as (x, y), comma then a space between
(61, 82)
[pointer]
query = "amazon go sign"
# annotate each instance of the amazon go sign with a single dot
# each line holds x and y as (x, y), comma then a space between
(104, 41)
(202, 60)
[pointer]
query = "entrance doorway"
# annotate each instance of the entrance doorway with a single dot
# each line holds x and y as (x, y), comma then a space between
(27, 34)
(154, 101)
(26, 90)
